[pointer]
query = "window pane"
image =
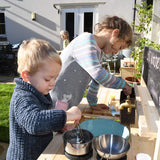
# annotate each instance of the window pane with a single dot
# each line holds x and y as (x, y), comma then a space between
(70, 25)
(149, 2)
(2, 18)
(88, 22)
(2, 29)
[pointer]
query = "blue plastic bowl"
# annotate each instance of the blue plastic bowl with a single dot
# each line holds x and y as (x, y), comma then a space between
(105, 126)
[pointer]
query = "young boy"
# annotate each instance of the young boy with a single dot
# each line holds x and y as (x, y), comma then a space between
(32, 118)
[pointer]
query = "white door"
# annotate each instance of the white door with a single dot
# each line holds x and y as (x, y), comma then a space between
(78, 20)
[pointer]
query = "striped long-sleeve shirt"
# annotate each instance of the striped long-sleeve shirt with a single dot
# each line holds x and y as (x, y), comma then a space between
(80, 65)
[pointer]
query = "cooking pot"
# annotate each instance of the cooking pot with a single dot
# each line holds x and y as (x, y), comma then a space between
(111, 146)
(74, 146)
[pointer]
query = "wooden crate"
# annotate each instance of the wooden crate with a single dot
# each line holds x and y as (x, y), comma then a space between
(127, 72)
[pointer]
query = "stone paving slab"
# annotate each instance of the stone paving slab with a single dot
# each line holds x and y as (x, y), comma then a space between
(6, 79)
(3, 150)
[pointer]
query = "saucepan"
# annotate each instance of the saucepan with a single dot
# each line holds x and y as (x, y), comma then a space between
(77, 142)
(111, 146)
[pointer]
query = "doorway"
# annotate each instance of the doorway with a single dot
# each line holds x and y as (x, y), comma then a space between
(78, 20)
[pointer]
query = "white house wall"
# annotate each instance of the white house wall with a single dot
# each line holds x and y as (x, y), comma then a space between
(47, 25)
(19, 25)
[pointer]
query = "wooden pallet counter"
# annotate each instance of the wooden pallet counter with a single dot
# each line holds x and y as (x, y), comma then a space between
(55, 149)
(144, 133)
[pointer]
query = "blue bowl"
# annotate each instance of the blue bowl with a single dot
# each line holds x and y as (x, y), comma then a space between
(102, 126)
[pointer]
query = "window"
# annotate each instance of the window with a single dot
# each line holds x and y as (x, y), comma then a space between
(78, 20)
(88, 21)
(70, 25)
(2, 24)
(149, 2)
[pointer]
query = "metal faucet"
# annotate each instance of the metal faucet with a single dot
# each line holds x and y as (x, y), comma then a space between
(128, 104)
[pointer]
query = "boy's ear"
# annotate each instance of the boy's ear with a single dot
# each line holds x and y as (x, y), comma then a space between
(115, 32)
(25, 76)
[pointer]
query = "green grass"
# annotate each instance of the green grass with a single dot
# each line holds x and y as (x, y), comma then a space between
(6, 91)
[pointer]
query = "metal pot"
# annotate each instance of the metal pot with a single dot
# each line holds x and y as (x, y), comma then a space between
(111, 146)
(75, 147)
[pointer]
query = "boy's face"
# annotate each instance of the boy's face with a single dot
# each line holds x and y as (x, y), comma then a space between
(44, 79)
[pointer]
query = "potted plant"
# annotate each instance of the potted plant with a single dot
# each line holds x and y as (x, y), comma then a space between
(143, 29)
(131, 80)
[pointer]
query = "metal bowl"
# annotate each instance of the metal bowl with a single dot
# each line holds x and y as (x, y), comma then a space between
(111, 146)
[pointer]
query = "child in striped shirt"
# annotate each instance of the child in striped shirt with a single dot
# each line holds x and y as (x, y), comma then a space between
(81, 64)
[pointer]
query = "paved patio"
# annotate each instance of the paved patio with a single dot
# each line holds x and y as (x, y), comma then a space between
(6, 79)
(3, 150)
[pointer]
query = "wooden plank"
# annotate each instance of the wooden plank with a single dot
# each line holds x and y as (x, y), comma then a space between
(89, 116)
(127, 71)
(140, 144)
(149, 109)
(50, 152)
(157, 146)
(102, 95)
(103, 98)
(143, 129)
(83, 104)
(147, 113)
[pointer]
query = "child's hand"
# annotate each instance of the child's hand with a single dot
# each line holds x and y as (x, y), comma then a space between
(127, 89)
(74, 113)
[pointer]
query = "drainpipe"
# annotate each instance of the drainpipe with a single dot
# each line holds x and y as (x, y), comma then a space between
(134, 14)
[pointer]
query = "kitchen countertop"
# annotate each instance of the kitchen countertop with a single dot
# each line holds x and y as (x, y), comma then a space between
(55, 149)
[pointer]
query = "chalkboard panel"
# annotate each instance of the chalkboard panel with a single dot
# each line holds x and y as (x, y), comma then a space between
(151, 73)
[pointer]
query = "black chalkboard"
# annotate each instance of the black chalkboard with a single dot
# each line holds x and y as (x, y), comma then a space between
(151, 73)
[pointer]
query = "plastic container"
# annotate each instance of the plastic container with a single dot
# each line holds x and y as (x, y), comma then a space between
(143, 156)
(127, 52)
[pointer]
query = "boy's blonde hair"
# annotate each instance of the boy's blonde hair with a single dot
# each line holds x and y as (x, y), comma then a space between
(34, 53)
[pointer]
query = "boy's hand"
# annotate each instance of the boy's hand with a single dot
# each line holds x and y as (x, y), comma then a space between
(74, 113)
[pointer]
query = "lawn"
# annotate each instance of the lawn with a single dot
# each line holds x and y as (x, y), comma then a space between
(6, 91)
